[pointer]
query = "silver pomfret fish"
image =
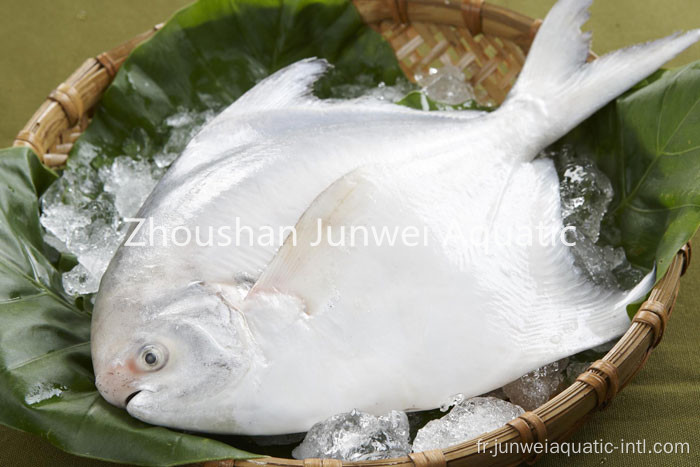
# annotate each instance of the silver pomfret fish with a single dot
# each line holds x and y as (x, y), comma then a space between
(181, 339)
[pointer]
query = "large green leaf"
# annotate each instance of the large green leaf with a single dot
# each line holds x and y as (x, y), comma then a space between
(204, 58)
(648, 143)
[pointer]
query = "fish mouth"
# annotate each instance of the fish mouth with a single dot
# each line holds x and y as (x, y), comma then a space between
(130, 397)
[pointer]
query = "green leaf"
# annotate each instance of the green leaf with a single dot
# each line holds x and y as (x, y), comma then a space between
(205, 57)
(46, 380)
(648, 143)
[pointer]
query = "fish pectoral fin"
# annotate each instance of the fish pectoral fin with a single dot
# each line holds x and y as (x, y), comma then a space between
(304, 267)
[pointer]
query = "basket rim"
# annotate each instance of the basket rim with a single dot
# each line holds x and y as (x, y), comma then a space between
(63, 116)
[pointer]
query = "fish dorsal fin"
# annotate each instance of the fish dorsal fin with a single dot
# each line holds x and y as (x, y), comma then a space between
(288, 86)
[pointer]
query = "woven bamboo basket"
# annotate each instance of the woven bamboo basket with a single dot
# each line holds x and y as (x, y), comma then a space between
(488, 43)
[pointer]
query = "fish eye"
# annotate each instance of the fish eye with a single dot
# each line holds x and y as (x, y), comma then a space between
(153, 357)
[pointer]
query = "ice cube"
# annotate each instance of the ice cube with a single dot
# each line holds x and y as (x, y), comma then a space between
(80, 281)
(42, 392)
(598, 262)
(164, 159)
(364, 87)
(181, 127)
(451, 402)
(94, 246)
(586, 193)
(357, 436)
(62, 204)
(626, 275)
(447, 85)
(467, 420)
(130, 181)
(388, 93)
(180, 119)
(537, 387)
(59, 219)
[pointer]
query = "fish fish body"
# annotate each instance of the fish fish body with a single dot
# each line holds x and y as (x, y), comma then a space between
(263, 339)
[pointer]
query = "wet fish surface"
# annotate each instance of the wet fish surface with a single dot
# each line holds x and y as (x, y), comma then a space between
(259, 339)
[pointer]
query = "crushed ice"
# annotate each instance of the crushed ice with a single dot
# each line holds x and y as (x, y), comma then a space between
(468, 419)
(537, 387)
(83, 212)
(129, 182)
(447, 85)
(364, 87)
(357, 436)
(43, 392)
(586, 193)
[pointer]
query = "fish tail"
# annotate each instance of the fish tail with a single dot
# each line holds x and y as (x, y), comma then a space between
(564, 88)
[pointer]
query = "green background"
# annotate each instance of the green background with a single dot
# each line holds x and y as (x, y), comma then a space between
(43, 41)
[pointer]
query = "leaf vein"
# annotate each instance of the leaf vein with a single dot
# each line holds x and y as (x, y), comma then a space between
(51, 354)
(672, 208)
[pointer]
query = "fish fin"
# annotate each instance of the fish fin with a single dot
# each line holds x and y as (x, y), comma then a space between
(641, 290)
(289, 272)
(290, 85)
(557, 79)
(567, 312)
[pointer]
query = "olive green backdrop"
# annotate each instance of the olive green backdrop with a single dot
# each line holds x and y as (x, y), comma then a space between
(43, 41)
